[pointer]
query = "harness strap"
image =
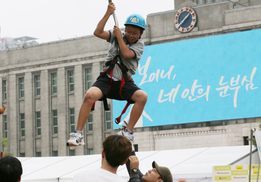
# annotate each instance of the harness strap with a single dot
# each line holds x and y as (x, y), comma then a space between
(110, 82)
(124, 78)
(118, 119)
(110, 71)
(111, 66)
(105, 105)
(122, 83)
(93, 106)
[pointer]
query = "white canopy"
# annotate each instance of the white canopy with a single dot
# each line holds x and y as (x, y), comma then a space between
(183, 163)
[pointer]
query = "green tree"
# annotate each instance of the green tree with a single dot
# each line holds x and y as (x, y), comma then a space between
(5, 143)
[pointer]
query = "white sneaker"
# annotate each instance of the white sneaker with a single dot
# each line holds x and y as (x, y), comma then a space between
(128, 134)
(76, 139)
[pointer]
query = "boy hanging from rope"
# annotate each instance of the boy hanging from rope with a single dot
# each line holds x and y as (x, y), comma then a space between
(115, 80)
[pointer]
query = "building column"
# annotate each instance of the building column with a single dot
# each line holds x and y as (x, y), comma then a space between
(45, 115)
(61, 112)
(13, 121)
(29, 113)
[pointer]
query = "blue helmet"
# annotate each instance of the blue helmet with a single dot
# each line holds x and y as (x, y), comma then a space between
(136, 20)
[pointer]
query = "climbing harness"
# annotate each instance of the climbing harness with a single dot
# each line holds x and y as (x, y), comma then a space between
(124, 79)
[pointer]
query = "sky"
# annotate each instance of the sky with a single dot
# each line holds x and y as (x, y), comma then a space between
(52, 20)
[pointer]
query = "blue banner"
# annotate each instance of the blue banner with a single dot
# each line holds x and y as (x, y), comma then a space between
(205, 79)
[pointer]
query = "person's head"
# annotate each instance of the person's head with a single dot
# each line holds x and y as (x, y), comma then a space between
(158, 174)
(10, 169)
(134, 27)
(116, 150)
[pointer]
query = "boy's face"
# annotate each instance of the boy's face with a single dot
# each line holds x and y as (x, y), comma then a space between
(132, 33)
(152, 176)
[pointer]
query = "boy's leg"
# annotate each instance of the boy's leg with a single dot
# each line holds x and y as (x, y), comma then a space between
(140, 99)
(92, 95)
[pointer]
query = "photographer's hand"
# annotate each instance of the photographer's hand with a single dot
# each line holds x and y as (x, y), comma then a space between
(134, 162)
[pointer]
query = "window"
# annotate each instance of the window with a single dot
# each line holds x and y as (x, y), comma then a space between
(21, 87)
(71, 80)
(136, 147)
(4, 90)
(37, 85)
(38, 154)
(22, 155)
(72, 152)
(72, 121)
(38, 123)
(246, 140)
(22, 125)
(54, 83)
(107, 120)
(90, 151)
(89, 123)
(55, 122)
(55, 153)
(5, 126)
(88, 78)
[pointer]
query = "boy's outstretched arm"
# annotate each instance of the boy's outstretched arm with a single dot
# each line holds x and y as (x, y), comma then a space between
(99, 31)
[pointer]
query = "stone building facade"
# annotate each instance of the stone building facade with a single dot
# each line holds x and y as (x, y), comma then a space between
(43, 87)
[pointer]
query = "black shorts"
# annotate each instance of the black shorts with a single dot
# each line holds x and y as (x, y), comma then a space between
(128, 89)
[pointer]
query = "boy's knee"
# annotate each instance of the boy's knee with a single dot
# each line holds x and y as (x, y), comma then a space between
(88, 97)
(143, 97)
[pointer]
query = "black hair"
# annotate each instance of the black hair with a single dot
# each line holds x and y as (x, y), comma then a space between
(10, 169)
(117, 149)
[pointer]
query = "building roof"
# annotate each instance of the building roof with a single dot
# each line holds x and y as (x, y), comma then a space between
(24, 38)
